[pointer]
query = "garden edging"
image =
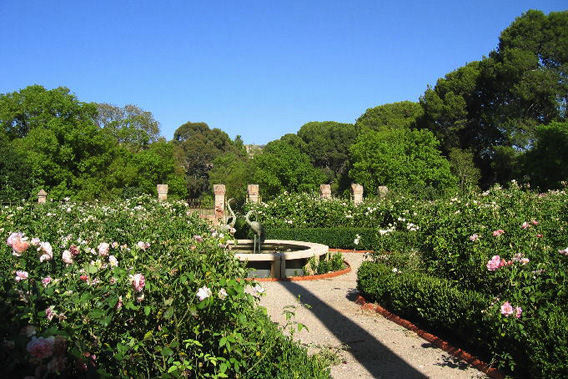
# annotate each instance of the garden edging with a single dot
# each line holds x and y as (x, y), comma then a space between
(434, 340)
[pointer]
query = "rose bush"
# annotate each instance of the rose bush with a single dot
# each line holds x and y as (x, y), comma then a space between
(118, 289)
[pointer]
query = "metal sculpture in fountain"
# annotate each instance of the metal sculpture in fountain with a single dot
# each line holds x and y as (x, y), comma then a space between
(230, 225)
(258, 231)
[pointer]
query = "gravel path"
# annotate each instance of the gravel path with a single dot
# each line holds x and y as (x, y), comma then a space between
(367, 344)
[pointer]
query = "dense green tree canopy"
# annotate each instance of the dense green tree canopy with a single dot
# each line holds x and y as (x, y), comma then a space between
(197, 147)
(401, 115)
(129, 125)
(402, 159)
(282, 167)
(327, 143)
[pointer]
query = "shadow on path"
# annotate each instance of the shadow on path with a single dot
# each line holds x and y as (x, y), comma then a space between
(377, 359)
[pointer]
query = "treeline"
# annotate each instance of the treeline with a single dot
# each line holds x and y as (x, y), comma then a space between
(490, 121)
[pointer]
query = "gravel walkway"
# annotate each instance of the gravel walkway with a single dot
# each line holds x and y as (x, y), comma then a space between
(367, 344)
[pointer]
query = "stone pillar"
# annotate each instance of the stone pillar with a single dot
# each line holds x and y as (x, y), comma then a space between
(357, 193)
(219, 190)
(162, 192)
(41, 196)
(253, 193)
(325, 191)
(383, 191)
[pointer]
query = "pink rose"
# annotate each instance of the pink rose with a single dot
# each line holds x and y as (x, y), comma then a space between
(498, 232)
(103, 249)
(18, 243)
(198, 238)
(40, 347)
(495, 263)
(74, 250)
(45, 281)
(525, 225)
(539, 235)
(518, 312)
(534, 222)
(112, 261)
(84, 277)
(138, 282)
(50, 313)
(21, 275)
(473, 237)
(506, 309)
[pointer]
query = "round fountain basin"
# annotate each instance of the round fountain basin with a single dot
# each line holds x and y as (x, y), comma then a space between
(278, 258)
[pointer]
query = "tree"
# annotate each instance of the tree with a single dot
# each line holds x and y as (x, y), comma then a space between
(463, 168)
(129, 125)
(401, 115)
(546, 164)
(15, 182)
(197, 146)
(57, 138)
(34, 106)
(327, 143)
(282, 167)
(404, 160)
(235, 172)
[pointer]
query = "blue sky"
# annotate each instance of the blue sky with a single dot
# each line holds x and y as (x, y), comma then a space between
(259, 69)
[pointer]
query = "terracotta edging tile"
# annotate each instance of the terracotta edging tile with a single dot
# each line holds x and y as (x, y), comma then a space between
(436, 341)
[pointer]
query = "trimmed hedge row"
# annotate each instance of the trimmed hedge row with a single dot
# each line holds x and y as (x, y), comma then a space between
(341, 238)
(535, 346)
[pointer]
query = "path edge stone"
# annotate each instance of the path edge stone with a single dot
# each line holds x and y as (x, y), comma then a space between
(434, 340)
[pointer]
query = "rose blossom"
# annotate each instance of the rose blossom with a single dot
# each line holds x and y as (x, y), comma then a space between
(203, 293)
(539, 235)
(67, 257)
(198, 238)
(35, 241)
(534, 222)
(138, 282)
(112, 261)
(525, 225)
(12, 237)
(21, 275)
(143, 245)
(84, 277)
(223, 294)
(518, 312)
(46, 250)
(45, 281)
(495, 263)
(473, 237)
(498, 232)
(564, 252)
(103, 249)
(50, 313)
(74, 250)
(507, 309)
(40, 347)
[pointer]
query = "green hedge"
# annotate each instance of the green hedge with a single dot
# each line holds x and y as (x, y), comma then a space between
(340, 238)
(535, 346)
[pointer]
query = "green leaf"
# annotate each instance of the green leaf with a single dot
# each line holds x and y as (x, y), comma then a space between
(147, 310)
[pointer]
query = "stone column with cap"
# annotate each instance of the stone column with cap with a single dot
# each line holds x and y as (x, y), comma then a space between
(162, 192)
(253, 194)
(41, 196)
(383, 191)
(357, 192)
(325, 191)
(219, 191)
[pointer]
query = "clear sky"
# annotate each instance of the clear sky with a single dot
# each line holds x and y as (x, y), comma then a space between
(259, 69)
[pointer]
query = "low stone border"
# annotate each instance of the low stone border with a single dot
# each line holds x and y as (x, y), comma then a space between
(328, 275)
(436, 341)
